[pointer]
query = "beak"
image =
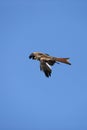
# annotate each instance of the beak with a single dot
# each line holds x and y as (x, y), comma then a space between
(31, 56)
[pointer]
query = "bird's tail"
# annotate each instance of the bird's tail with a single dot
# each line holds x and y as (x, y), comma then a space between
(63, 60)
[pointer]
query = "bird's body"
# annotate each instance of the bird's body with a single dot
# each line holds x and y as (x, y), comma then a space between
(47, 61)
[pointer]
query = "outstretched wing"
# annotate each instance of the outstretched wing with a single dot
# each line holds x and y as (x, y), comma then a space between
(45, 67)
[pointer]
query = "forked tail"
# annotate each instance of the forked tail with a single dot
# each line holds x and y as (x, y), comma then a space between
(63, 60)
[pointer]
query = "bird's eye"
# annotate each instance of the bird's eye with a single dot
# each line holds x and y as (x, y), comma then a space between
(33, 57)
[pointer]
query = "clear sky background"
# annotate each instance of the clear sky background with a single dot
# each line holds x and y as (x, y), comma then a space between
(29, 100)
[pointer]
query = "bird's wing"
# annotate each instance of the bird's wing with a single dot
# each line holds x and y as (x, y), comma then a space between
(45, 67)
(48, 59)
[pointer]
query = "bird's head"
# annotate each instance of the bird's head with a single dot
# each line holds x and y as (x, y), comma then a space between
(32, 56)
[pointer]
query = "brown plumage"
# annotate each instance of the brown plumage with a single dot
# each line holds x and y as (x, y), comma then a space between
(47, 61)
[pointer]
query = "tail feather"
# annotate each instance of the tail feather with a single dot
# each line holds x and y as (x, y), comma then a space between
(63, 60)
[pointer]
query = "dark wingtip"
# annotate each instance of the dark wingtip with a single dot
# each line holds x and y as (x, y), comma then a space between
(47, 74)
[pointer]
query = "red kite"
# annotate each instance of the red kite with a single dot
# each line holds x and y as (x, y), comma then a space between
(46, 61)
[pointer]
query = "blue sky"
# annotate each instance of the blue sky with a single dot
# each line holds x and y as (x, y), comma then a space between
(29, 100)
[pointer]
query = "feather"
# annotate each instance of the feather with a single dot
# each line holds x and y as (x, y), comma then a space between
(46, 61)
(45, 67)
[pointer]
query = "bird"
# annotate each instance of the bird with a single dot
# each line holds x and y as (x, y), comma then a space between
(46, 61)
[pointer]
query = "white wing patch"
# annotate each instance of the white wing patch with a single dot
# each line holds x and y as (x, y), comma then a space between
(48, 65)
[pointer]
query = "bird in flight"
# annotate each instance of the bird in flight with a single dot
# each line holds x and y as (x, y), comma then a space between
(46, 61)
